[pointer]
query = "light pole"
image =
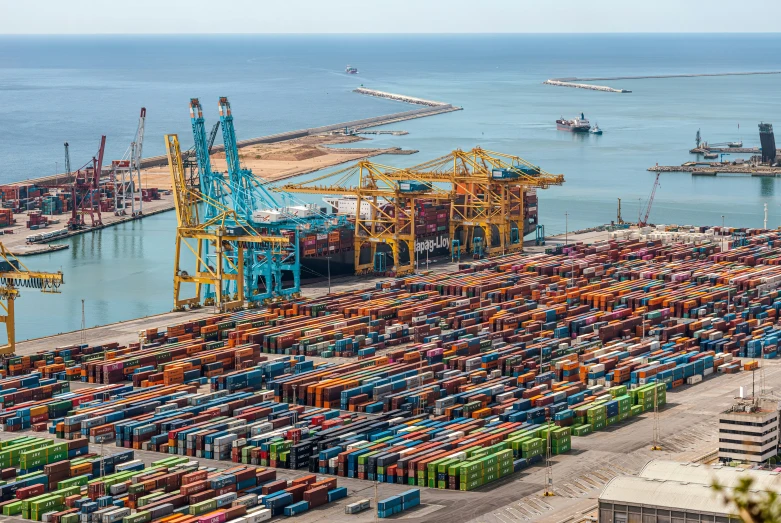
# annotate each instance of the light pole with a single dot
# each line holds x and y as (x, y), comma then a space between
(566, 228)
(329, 275)
(722, 233)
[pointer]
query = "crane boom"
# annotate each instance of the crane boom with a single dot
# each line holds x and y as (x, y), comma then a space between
(213, 136)
(135, 163)
(644, 221)
(67, 161)
(18, 275)
(139, 140)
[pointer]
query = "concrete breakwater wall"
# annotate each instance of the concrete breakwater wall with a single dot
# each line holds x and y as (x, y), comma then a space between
(603, 88)
(399, 97)
(577, 82)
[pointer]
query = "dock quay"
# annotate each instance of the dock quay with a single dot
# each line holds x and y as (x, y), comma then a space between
(698, 169)
(393, 133)
(725, 150)
(375, 152)
(15, 236)
(577, 82)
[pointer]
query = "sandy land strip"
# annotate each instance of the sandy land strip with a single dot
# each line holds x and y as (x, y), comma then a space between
(281, 160)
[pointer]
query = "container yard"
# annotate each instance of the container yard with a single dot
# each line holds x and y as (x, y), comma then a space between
(416, 395)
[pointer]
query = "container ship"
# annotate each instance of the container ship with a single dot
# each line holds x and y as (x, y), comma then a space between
(432, 236)
(577, 125)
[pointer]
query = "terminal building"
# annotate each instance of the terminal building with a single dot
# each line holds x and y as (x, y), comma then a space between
(748, 431)
(672, 492)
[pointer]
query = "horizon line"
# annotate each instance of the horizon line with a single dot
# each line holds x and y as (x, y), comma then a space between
(499, 33)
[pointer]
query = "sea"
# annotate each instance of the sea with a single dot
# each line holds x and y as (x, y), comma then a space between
(56, 89)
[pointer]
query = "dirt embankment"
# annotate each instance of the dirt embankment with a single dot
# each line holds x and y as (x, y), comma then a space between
(278, 160)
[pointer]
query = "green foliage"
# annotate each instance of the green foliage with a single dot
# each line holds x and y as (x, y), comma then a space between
(752, 506)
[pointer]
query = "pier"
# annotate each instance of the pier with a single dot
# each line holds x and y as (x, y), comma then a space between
(15, 236)
(393, 133)
(714, 169)
(725, 150)
(577, 82)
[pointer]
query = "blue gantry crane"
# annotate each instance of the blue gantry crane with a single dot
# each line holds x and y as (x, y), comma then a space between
(267, 274)
(250, 199)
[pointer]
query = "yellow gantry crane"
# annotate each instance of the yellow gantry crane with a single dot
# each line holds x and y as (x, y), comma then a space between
(392, 201)
(487, 194)
(13, 276)
(485, 190)
(220, 238)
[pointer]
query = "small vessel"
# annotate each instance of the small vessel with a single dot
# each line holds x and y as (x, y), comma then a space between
(596, 130)
(735, 144)
(577, 125)
(711, 156)
(351, 70)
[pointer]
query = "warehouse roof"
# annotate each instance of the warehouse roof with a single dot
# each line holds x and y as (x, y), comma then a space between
(674, 495)
(706, 475)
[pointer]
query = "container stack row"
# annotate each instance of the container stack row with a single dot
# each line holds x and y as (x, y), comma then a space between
(118, 488)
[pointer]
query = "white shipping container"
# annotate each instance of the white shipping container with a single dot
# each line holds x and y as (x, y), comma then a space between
(708, 371)
(247, 500)
(117, 489)
(258, 515)
(692, 380)
(115, 515)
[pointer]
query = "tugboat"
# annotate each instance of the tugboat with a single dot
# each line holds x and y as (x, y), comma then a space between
(737, 144)
(596, 130)
(351, 70)
(577, 125)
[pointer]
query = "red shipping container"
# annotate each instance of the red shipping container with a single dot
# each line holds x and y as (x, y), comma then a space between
(225, 490)
(193, 488)
(306, 480)
(201, 496)
(297, 491)
(274, 486)
(194, 477)
(266, 475)
(28, 492)
(317, 496)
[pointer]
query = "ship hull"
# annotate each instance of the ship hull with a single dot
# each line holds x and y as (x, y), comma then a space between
(572, 128)
(338, 245)
(342, 262)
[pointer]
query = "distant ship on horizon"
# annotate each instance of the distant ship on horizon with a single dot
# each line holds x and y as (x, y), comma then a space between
(576, 125)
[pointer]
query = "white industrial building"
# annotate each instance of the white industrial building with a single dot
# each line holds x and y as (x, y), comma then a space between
(672, 492)
(748, 431)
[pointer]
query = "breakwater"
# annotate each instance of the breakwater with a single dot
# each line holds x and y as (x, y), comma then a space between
(578, 82)
(400, 97)
(560, 83)
(715, 169)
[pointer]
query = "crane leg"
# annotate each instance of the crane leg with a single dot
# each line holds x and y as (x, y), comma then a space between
(8, 319)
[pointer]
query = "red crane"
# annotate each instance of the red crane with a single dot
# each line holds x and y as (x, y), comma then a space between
(85, 192)
(644, 221)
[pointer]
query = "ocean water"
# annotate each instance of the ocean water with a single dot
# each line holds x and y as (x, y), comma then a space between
(57, 89)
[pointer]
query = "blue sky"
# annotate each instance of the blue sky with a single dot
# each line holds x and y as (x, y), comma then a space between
(386, 16)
